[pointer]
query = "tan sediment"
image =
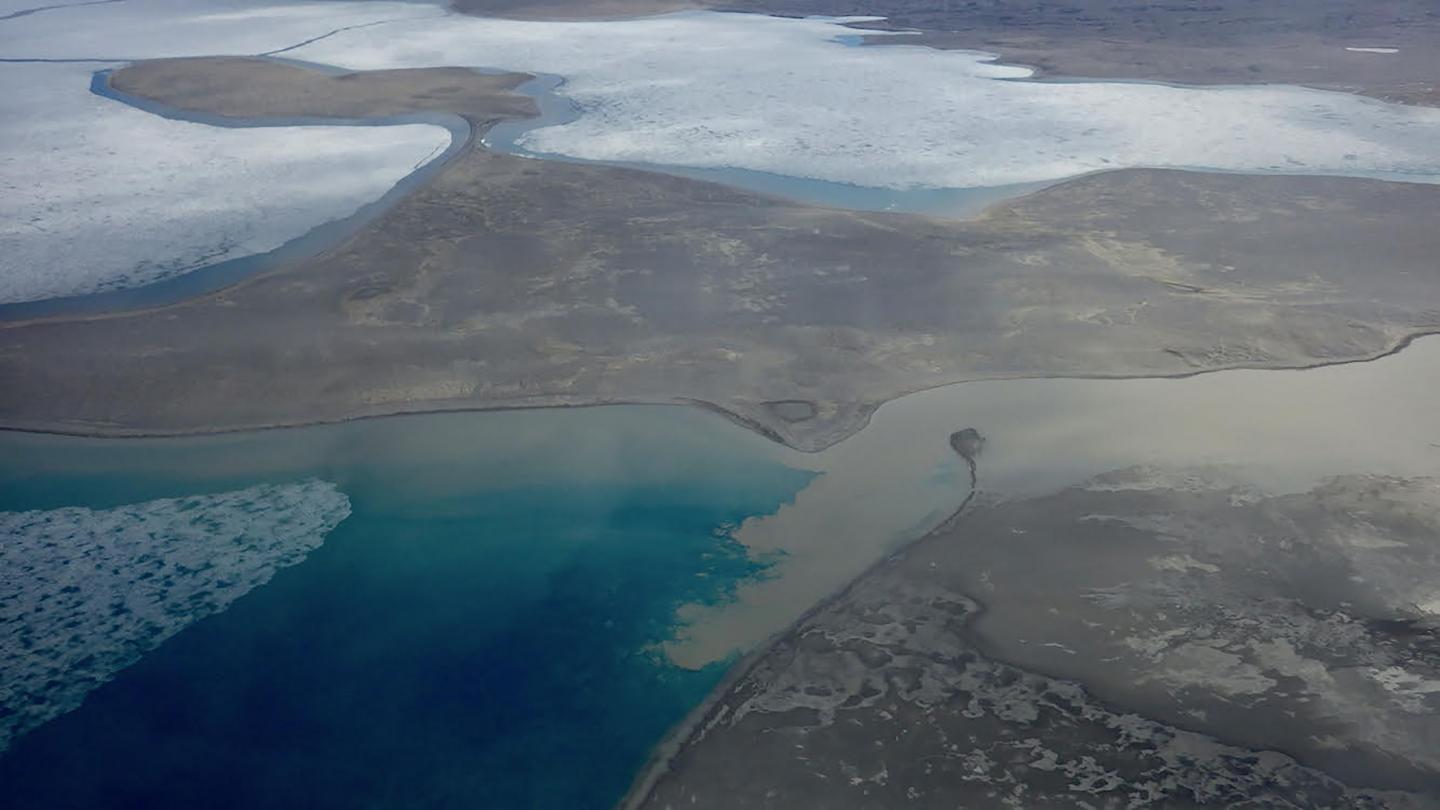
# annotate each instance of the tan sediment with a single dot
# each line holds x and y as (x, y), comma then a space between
(690, 727)
(1261, 427)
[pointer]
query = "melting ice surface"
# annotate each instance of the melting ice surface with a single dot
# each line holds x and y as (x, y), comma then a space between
(481, 631)
(790, 97)
(97, 196)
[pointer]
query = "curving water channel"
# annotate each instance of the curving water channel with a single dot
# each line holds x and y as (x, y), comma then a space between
(1282, 431)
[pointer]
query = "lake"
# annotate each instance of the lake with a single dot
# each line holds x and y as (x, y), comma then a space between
(481, 630)
(521, 603)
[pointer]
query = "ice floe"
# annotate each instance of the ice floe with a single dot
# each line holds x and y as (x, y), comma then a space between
(85, 592)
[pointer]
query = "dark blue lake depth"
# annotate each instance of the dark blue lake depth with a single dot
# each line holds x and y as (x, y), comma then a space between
(479, 633)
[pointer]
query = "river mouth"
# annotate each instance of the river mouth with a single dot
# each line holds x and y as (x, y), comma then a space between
(898, 478)
(539, 564)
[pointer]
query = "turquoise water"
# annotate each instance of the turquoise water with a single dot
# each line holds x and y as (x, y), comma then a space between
(478, 633)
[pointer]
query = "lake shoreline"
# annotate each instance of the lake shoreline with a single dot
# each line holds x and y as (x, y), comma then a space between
(1247, 472)
(755, 425)
(534, 543)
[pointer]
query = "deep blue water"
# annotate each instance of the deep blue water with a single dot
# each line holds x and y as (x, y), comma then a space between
(478, 633)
